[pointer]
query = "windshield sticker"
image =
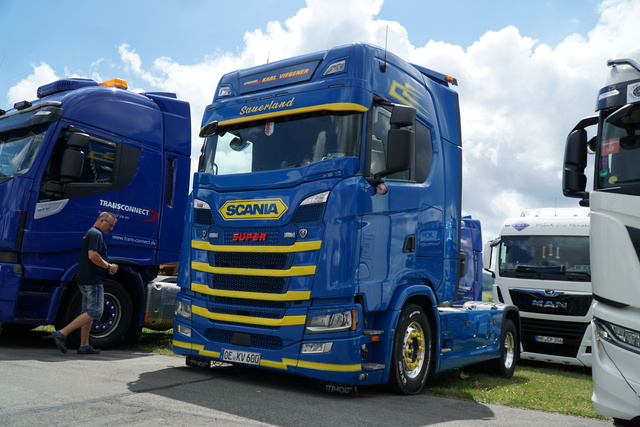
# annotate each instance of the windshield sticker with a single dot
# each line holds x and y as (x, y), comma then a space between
(268, 127)
(611, 146)
(273, 105)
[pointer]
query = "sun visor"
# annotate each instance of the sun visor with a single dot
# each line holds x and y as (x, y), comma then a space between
(277, 77)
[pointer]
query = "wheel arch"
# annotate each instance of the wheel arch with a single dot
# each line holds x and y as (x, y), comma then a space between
(512, 313)
(420, 293)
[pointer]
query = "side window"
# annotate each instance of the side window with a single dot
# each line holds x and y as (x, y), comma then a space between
(107, 166)
(379, 131)
(424, 152)
(99, 159)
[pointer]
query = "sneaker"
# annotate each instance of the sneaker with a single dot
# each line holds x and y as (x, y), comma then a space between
(59, 340)
(90, 350)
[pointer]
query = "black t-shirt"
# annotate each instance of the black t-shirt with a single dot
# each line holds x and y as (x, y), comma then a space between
(88, 272)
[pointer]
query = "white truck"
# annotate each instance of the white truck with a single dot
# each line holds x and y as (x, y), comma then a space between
(541, 265)
(615, 234)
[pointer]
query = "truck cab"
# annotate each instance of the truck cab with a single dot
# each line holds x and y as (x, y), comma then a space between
(324, 230)
(615, 233)
(81, 148)
(540, 263)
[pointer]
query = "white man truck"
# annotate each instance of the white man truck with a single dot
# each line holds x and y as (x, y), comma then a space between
(541, 265)
(615, 234)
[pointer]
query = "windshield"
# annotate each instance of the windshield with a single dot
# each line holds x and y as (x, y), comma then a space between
(18, 148)
(545, 257)
(619, 153)
(281, 143)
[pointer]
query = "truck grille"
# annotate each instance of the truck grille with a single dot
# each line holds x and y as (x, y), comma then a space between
(273, 236)
(258, 341)
(203, 216)
(533, 301)
(309, 213)
(570, 332)
(233, 282)
(270, 261)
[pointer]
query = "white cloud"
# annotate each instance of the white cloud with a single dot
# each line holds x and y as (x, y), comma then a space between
(27, 87)
(519, 98)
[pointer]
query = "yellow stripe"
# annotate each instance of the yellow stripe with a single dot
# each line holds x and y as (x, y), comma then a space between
(304, 270)
(285, 321)
(323, 366)
(197, 347)
(338, 106)
(273, 364)
(277, 365)
(289, 296)
(182, 344)
(296, 247)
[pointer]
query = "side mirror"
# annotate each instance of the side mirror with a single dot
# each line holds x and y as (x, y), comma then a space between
(402, 116)
(400, 141)
(486, 256)
(574, 181)
(73, 158)
(463, 258)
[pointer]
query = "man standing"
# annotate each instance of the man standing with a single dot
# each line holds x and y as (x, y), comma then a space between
(92, 269)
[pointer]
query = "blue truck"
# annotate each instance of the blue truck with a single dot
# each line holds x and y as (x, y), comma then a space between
(323, 231)
(81, 148)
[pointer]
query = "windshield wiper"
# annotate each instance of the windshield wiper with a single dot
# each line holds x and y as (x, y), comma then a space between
(527, 271)
(578, 275)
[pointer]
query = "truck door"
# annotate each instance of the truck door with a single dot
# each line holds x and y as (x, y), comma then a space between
(107, 179)
(394, 220)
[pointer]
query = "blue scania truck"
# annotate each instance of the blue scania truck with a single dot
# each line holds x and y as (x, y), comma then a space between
(323, 232)
(81, 148)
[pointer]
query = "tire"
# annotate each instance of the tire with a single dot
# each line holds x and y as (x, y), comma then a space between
(412, 351)
(110, 329)
(505, 365)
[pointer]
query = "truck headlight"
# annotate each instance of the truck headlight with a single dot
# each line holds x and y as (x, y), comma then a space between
(316, 198)
(619, 335)
(183, 310)
(335, 321)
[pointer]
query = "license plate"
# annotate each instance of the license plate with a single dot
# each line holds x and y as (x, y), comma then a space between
(550, 340)
(235, 356)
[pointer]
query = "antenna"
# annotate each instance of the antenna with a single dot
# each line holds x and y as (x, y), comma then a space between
(268, 53)
(383, 66)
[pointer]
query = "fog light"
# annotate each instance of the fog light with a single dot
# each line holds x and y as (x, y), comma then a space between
(316, 347)
(183, 330)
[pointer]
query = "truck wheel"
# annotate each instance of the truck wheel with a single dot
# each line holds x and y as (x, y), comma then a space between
(505, 365)
(411, 357)
(109, 330)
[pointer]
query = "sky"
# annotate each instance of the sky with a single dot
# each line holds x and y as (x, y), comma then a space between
(527, 70)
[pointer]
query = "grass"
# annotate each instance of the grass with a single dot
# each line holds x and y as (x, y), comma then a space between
(158, 342)
(538, 386)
